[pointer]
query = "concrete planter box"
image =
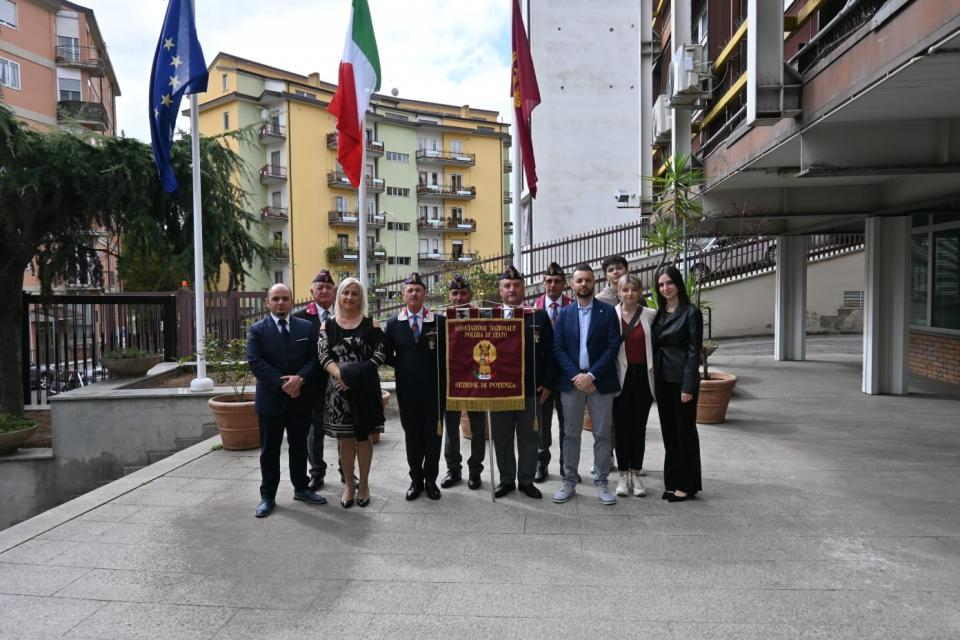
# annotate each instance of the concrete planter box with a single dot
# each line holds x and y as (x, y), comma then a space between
(131, 367)
(12, 439)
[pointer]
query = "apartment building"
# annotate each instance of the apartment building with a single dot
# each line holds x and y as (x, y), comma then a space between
(55, 72)
(436, 177)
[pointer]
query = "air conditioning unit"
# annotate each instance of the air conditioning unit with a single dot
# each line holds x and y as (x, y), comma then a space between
(662, 122)
(690, 79)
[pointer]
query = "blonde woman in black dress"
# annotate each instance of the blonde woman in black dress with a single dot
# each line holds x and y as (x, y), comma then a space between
(351, 347)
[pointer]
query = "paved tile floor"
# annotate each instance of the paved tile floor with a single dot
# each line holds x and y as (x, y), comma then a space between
(825, 514)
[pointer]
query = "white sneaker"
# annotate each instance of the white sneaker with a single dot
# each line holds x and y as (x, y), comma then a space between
(638, 489)
(623, 486)
(641, 472)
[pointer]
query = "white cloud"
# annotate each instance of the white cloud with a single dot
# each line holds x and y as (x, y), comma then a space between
(451, 51)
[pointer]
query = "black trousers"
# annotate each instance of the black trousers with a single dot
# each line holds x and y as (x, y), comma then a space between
(509, 425)
(546, 430)
(315, 438)
(630, 412)
(678, 423)
(423, 443)
(295, 423)
(451, 448)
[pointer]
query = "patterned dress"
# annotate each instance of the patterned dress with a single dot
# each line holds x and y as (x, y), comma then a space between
(336, 344)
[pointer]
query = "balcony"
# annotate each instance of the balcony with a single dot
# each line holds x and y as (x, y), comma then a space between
(279, 252)
(88, 114)
(352, 219)
(507, 197)
(452, 258)
(339, 180)
(431, 156)
(337, 254)
(272, 174)
(272, 132)
(449, 225)
(86, 58)
(445, 192)
(275, 213)
(374, 147)
(507, 166)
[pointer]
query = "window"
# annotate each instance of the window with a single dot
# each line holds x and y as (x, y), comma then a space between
(398, 226)
(276, 199)
(9, 74)
(456, 147)
(277, 277)
(918, 279)
(945, 307)
(8, 13)
(343, 240)
(304, 94)
(395, 156)
(68, 48)
(69, 88)
(341, 204)
(398, 260)
(278, 238)
(435, 213)
(226, 120)
(700, 27)
(225, 80)
(456, 182)
(398, 191)
(456, 213)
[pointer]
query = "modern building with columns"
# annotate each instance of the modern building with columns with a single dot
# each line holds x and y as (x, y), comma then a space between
(819, 116)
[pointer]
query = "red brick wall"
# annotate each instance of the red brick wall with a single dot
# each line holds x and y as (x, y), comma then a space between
(935, 356)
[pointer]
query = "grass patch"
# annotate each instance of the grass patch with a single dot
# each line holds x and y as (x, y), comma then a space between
(10, 423)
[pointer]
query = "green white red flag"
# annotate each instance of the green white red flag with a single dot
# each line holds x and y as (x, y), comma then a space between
(359, 77)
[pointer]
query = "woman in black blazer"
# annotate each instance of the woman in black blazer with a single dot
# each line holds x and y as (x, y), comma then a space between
(677, 343)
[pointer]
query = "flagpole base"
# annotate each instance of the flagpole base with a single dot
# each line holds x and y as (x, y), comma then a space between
(201, 384)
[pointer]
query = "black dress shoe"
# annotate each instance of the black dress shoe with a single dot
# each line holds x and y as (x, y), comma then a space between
(346, 504)
(416, 488)
(541, 475)
(363, 502)
(315, 483)
(432, 490)
(473, 482)
(530, 490)
(666, 495)
(503, 489)
(265, 508)
(452, 478)
(675, 498)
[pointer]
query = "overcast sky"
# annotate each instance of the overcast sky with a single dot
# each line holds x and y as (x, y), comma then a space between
(451, 51)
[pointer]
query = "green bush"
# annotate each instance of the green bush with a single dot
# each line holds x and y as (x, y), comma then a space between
(125, 354)
(228, 363)
(10, 422)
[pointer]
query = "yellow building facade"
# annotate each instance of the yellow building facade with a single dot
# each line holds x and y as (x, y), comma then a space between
(437, 178)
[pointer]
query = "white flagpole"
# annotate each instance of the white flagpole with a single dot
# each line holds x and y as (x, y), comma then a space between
(517, 186)
(362, 205)
(201, 382)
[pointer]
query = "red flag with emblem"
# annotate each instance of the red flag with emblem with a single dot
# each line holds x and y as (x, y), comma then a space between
(526, 96)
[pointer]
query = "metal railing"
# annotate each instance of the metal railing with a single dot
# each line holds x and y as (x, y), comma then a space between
(273, 129)
(446, 156)
(274, 213)
(87, 58)
(446, 191)
(276, 171)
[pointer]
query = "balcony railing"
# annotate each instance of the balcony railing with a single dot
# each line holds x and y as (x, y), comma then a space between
(86, 58)
(352, 219)
(507, 166)
(426, 156)
(92, 114)
(272, 130)
(447, 257)
(451, 225)
(374, 147)
(352, 254)
(274, 213)
(273, 173)
(507, 197)
(279, 252)
(340, 180)
(446, 191)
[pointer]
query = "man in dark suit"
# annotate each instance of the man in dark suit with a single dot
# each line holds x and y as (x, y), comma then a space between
(282, 353)
(415, 340)
(586, 343)
(552, 301)
(324, 290)
(506, 426)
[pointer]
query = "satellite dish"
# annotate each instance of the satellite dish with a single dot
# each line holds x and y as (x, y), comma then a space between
(394, 92)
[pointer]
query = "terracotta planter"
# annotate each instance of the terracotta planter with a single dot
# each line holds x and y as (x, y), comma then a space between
(12, 439)
(715, 395)
(587, 422)
(131, 367)
(467, 431)
(237, 421)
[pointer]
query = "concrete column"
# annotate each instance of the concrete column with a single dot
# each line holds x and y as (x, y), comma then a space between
(886, 313)
(790, 313)
(647, 99)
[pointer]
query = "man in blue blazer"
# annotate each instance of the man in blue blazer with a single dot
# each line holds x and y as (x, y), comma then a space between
(282, 353)
(586, 341)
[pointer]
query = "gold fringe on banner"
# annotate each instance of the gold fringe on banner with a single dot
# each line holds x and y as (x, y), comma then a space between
(516, 403)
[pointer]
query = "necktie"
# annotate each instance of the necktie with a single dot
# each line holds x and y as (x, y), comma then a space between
(415, 327)
(284, 332)
(553, 314)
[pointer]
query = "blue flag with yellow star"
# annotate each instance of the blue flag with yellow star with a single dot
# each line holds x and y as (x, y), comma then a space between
(178, 68)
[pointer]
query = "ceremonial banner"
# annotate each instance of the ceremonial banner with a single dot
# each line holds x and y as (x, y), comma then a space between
(485, 368)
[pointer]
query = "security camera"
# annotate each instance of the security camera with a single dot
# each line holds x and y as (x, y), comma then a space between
(621, 196)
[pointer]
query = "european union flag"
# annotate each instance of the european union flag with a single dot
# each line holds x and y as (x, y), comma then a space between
(178, 68)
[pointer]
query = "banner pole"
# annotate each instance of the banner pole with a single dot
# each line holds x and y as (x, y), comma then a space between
(201, 382)
(493, 485)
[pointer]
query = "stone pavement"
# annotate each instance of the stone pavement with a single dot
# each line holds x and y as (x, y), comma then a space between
(825, 513)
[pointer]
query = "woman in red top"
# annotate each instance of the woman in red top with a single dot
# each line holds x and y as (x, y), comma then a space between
(635, 367)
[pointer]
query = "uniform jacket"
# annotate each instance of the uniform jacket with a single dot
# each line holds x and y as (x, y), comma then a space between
(646, 321)
(603, 344)
(416, 361)
(677, 345)
(270, 358)
(540, 302)
(540, 352)
(310, 312)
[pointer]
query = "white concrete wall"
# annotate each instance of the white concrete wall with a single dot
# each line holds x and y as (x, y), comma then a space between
(586, 130)
(746, 307)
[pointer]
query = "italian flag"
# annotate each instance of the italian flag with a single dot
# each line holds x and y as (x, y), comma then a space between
(359, 78)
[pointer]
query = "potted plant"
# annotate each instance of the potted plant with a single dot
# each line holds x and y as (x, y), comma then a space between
(334, 252)
(14, 431)
(716, 389)
(129, 363)
(234, 412)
